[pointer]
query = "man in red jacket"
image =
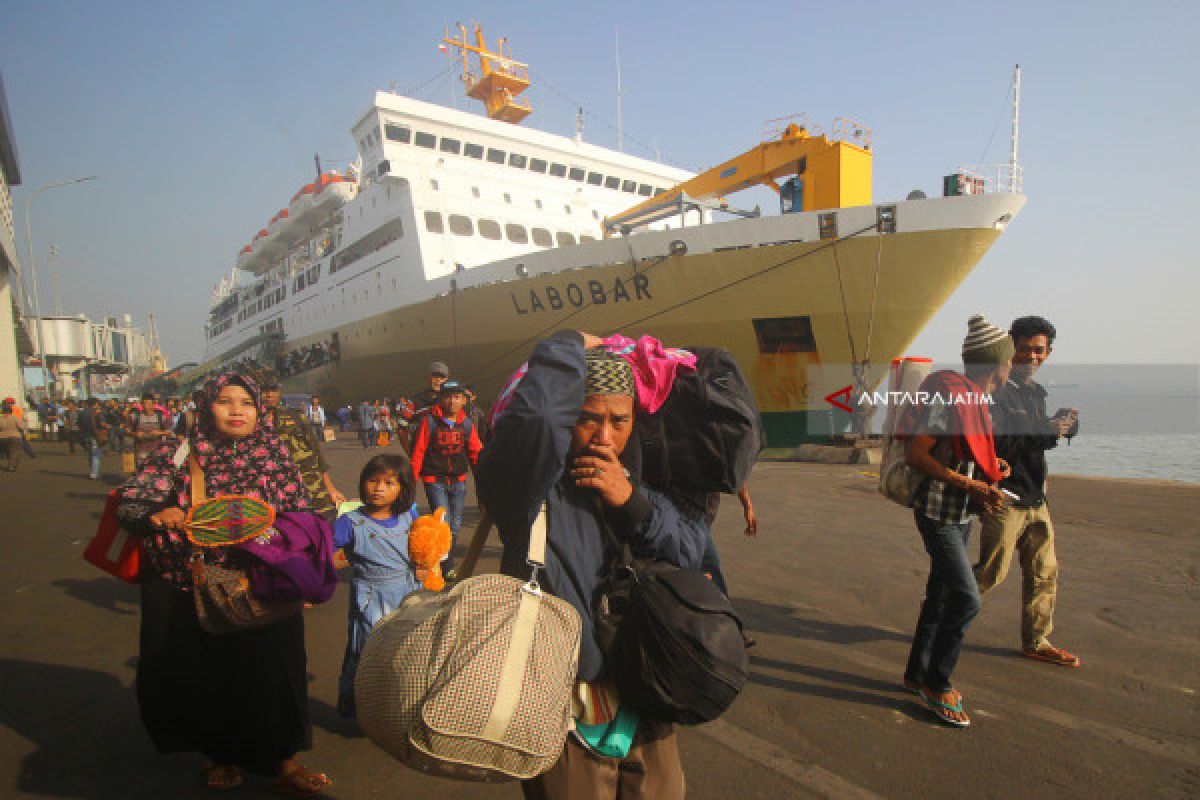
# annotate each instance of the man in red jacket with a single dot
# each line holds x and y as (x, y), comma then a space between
(445, 446)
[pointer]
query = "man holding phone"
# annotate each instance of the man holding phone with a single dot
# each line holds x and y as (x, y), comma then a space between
(1023, 435)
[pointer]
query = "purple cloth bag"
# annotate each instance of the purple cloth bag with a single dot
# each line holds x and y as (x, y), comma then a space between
(296, 563)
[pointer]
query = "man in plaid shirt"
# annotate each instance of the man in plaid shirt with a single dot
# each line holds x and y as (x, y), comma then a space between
(951, 443)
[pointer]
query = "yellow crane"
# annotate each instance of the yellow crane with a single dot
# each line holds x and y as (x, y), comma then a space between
(829, 172)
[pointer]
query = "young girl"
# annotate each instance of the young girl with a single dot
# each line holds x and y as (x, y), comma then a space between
(375, 541)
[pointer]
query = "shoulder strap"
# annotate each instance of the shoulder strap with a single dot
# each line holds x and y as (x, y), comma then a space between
(536, 555)
(199, 494)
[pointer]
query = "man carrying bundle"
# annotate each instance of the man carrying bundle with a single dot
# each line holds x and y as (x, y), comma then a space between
(561, 439)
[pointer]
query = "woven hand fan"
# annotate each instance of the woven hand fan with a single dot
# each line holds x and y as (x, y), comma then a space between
(227, 520)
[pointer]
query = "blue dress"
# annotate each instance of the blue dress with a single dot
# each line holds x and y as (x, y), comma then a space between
(377, 550)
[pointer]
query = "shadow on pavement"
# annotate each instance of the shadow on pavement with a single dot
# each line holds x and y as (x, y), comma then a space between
(84, 726)
(788, 621)
(105, 593)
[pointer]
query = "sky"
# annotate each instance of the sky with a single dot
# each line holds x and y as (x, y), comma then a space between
(201, 119)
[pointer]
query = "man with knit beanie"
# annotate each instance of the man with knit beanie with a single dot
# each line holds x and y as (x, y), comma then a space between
(560, 441)
(1023, 435)
(950, 443)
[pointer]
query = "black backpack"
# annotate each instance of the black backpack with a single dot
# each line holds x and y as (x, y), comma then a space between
(708, 434)
(672, 643)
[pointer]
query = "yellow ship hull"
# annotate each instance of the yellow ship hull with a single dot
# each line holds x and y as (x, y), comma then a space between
(485, 332)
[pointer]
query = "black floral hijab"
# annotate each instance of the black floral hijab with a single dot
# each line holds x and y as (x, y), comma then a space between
(258, 464)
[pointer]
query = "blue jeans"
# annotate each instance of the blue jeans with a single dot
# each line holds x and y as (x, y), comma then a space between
(951, 602)
(452, 497)
(366, 436)
(92, 448)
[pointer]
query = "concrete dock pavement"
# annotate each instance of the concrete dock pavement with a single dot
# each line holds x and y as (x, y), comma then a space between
(830, 589)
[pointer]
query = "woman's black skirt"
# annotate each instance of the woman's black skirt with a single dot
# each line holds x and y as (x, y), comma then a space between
(238, 698)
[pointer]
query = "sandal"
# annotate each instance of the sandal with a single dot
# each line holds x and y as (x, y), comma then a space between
(942, 710)
(299, 782)
(1053, 655)
(221, 777)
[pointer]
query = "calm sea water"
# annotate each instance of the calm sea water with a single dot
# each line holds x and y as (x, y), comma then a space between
(1120, 455)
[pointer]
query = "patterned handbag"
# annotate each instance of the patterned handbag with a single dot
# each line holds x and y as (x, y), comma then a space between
(475, 683)
(223, 598)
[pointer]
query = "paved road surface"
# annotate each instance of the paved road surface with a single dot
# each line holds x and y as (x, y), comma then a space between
(830, 588)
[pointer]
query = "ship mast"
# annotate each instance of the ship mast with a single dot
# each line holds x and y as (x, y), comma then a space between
(1013, 163)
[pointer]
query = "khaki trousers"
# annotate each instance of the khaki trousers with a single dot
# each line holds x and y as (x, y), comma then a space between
(1029, 533)
(651, 771)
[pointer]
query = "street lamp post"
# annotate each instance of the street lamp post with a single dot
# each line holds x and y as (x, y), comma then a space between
(37, 302)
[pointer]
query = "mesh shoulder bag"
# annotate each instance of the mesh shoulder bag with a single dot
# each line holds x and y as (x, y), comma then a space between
(475, 683)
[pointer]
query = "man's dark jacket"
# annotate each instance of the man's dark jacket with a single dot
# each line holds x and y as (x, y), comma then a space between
(1021, 428)
(526, 461)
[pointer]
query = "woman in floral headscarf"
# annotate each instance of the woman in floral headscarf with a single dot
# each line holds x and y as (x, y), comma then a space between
(241, 699)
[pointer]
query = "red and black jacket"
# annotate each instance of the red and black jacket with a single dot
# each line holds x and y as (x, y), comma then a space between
(443, 453)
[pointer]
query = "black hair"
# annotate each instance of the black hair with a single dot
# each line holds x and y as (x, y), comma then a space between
(1026, 327)
(398, 465)
(148, 396)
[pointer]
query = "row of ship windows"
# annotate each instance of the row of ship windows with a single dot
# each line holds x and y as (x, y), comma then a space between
(262, 304)
(461, 225)
(403, 135)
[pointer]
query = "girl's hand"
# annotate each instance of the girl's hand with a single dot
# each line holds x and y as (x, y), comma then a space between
(337, 497)
(169, 519)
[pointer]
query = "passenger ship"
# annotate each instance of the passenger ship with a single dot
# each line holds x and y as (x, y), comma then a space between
(465, 239)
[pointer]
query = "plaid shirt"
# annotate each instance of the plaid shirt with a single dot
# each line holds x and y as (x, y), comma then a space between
(939, 500)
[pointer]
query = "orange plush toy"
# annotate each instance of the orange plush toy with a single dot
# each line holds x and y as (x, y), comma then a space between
(428, 544)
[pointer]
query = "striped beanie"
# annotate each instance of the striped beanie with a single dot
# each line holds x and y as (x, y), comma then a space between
(985, 343)
(608, 373)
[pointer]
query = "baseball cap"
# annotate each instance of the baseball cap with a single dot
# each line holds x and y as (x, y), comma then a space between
(439, 368)
(451, 387)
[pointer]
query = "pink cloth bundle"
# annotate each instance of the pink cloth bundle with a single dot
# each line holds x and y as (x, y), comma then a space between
(654, 367)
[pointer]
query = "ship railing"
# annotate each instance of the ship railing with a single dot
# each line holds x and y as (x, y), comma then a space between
(679, 205)
(1006, 178)
(773, 129)
(847, 130)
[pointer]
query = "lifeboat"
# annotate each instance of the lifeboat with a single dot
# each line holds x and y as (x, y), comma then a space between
(332, 192)
(245, 258)
(300, 209)
(284, 229)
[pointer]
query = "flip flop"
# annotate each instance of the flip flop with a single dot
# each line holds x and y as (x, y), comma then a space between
(301, 783)
(940, 710)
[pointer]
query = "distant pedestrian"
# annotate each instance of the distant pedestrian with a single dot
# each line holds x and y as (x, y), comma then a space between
(1023, 435)
(316, 417)
(375, 541)
(114, 417)
(304, 446)
(343, 418)
(90, 426)
(424, 400)
(71, 425)
(148, 425)
(12, 434)
(950, 442)
(366, 424)
(445, 448)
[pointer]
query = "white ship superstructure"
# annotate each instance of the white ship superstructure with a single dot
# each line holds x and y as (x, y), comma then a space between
(439, 192)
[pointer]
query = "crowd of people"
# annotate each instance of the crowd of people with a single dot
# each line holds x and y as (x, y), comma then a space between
(562, 437)
(314, 355)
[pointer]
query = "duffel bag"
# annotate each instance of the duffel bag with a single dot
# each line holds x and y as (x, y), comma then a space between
(475, 683)
(672, 642)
